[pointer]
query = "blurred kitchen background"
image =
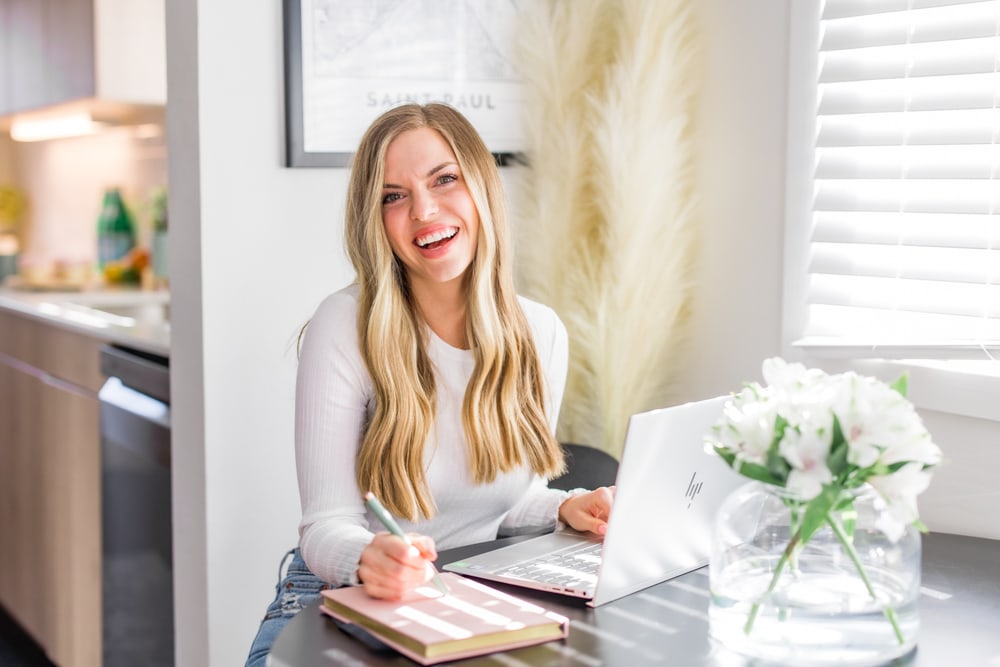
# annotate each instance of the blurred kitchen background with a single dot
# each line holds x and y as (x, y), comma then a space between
(62, 183)
(96, 73)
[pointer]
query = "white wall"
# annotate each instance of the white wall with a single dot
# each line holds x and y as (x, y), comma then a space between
(255, 246)
(742, 125)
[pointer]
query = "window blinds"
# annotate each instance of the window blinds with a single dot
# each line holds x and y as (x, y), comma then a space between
(905, 241)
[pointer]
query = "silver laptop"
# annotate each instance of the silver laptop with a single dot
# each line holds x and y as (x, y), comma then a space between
(667, 492)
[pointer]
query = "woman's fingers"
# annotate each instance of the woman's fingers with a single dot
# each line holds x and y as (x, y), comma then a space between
(389, 567)
(589, 511)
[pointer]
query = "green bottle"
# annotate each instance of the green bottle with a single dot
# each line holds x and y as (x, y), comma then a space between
(160, 227)
(115, 229)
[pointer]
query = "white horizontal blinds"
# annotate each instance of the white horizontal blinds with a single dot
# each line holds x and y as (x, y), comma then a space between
(905, 248)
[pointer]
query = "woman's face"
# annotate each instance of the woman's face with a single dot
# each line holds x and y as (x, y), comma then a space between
(429, 215)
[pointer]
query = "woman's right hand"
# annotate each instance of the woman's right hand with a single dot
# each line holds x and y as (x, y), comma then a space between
(390, 568)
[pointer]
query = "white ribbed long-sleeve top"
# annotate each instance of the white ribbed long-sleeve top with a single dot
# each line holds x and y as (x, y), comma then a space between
(335, 401)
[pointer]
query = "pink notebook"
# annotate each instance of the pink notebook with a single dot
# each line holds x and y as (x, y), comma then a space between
(428, 627)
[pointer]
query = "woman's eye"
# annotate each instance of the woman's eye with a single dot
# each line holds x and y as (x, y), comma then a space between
(391, 197)
(446, 178)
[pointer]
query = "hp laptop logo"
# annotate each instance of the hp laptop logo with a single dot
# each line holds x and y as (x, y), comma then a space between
(692, 490)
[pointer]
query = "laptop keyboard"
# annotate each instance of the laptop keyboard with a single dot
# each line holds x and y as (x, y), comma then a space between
(574, 564)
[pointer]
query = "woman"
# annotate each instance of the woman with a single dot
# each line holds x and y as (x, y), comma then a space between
(428, 381)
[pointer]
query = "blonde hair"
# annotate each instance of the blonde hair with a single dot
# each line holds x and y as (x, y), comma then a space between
(503, 412)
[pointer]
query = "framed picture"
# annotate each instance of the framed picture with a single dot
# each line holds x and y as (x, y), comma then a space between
(347, 61)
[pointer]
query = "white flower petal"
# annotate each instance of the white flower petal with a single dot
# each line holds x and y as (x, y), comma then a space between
(807, 484)
(900, 490)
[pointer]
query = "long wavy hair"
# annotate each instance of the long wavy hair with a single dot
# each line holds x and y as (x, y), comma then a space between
(503, 412)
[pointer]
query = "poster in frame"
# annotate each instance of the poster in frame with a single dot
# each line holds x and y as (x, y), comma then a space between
(347, 61)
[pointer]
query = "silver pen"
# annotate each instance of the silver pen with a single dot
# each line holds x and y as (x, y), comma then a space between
(380, 512)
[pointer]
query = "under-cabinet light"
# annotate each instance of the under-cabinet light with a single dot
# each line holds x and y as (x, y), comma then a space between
(53, 127)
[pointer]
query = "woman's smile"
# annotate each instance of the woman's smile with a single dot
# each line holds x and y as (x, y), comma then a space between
(436, 238)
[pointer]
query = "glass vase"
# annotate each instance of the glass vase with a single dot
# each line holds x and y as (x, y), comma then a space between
(847, 596)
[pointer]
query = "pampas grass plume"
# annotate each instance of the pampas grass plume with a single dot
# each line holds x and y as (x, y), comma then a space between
(610, 227)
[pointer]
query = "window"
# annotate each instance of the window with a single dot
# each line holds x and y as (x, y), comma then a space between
(894, 179)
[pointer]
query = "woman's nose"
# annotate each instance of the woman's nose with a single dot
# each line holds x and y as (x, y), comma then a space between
(422, 206)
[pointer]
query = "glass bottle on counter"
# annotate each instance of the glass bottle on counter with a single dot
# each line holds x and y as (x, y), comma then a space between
(115, 229)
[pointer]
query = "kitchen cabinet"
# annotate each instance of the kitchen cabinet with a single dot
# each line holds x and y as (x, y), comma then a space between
(50, 531)
(69, 37)
(60, 51)
(46, 41)
(23, 63)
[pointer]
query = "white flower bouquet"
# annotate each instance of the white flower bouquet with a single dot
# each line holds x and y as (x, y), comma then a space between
(822, 437)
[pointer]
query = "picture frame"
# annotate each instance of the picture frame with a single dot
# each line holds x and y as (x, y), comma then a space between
(348, 61)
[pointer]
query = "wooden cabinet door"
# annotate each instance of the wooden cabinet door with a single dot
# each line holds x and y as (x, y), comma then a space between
(19, 396)
(50, 530)
(68, 510)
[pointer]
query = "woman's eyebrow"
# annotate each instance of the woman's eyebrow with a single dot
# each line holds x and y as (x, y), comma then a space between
(441, 166)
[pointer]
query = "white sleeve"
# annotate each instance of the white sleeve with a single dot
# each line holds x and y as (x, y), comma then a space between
(332, 394)
(537, 508)
(555, 367)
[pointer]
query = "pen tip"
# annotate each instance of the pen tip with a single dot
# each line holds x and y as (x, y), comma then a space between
(369, 495)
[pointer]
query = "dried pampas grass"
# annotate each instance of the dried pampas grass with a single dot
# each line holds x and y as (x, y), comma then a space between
(608, 226)
(560, 42)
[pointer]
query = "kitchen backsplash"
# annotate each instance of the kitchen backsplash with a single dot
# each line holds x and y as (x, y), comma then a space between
(64, 181)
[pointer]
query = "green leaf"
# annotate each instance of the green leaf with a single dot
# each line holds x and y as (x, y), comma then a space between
(777, 466)
(726, 455)
(758, 472)
(837, 459)
(901, 384)
(894, 467)
(816, 512)
(845, 502)
(779, 430)
(776, 463)
(747, 469)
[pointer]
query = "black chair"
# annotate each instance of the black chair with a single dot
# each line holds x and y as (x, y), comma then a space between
(586, 468)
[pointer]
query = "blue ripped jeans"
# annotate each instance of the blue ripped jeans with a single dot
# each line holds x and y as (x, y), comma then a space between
(297, 589)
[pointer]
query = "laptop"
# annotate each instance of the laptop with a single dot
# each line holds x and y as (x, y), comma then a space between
(668, 489)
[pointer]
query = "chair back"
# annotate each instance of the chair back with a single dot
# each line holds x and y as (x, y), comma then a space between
(586, 468)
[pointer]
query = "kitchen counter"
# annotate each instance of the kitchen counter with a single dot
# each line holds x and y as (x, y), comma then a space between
(135, 318)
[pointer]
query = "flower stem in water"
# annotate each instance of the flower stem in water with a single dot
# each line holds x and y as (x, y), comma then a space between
(888, 610)
(786, 554)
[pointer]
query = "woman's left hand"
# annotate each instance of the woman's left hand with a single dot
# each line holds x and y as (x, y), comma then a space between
(588, 511)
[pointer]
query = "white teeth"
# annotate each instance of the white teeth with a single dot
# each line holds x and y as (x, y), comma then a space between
(425, 241)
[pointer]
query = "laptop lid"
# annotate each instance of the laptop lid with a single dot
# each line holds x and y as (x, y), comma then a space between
(667, 491)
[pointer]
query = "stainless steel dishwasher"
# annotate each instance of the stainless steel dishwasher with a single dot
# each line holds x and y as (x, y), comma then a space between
(137, 566)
